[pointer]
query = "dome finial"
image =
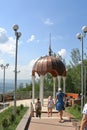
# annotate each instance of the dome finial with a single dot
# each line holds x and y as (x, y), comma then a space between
(50, 50)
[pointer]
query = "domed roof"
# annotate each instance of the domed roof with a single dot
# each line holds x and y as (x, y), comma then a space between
(49, 64)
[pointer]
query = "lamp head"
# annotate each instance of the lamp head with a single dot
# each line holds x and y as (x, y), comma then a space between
(84, 29)
(19, 34)
(79, 36)
(15, 27)
(7, 65)
(2, 65)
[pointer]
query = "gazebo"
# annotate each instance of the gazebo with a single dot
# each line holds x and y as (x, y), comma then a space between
(52, 65)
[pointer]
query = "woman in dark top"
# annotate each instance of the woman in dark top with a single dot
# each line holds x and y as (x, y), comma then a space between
(60, 103)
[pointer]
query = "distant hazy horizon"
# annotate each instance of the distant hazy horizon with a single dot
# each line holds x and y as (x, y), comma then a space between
(9, 85)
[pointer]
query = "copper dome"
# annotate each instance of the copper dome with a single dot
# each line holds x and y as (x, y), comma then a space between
(49, 64)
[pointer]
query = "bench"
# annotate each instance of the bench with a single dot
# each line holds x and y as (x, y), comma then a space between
(73, 98)
(72, 95)
(6, 97)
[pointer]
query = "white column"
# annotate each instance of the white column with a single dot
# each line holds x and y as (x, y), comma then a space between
(54, 91)
(59, 81)
(64, 84)
(33, 86)
(41, 88)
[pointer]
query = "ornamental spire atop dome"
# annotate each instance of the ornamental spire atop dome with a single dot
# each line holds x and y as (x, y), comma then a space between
(50, 50)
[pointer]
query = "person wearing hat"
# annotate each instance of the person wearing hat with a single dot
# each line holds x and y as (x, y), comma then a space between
(38, 108)
(60, 104)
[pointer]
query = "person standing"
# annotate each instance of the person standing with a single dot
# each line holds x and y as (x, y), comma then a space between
(38, 108)
(60, 104)
(50, 105)
(84, 118)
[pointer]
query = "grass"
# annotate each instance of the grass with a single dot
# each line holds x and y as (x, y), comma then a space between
(75, 110)
(12, 122)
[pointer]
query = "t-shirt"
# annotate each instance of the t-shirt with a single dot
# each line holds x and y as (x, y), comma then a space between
(38, 105)
(60, 96)
(85, 109)
(50, 103)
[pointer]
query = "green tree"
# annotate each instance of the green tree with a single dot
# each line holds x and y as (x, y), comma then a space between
(75, 57)
(73, 79)
(74, 72)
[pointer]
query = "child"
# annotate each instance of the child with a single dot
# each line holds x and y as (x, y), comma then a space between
(50, 106)
(38, 108)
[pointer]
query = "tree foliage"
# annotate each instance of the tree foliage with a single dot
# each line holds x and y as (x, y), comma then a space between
(73, 79)
(74, 71)
(75, 57)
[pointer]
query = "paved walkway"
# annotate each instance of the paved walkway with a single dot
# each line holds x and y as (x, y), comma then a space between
(50, 123)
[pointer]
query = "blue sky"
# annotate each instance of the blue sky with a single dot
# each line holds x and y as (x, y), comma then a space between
(36, 20)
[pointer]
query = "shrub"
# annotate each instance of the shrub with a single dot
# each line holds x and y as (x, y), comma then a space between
(9, 124)
(5, 123)
(21, 106)
(12, 118)
(18, 111)
(75, 110)
(76, 107)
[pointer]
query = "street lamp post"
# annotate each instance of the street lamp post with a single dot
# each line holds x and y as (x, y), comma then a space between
(85, 83)
(81, 36)
(17, 34)
(4, 67)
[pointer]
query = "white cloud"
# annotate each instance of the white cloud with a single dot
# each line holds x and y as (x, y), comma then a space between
(8, 47)
(32, 38)
(48, 22)
(3, 36)
(7, 44)
(25, 71)
(62, 53)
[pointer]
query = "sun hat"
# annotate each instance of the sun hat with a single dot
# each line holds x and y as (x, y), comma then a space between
(59, 89)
